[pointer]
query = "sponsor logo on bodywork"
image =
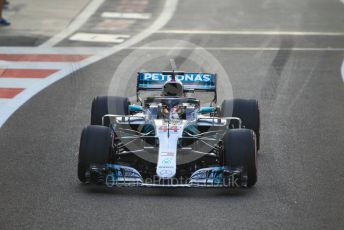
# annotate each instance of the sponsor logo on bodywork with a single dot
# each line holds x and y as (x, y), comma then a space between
(188, 77)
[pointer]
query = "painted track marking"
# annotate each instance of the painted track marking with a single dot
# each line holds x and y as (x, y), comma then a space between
(51, 50)
(92, 37)
(42, 57)
(126, 15)
(3, 101)
(14, 83)
(10, 92)
(239, 48)
(26, 73)
(343, 69)
(239, 32)
(36, 65)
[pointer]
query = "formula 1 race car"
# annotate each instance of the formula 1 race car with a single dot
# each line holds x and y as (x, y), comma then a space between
(169, 139)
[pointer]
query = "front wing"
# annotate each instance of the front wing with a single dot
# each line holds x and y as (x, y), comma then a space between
(115, 175)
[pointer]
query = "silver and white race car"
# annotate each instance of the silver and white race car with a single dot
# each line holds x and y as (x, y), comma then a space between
(170, 140)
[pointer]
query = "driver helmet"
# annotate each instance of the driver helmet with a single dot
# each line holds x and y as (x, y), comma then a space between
(175, 111)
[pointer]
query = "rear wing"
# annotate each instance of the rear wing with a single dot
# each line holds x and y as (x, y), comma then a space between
(153, 81)
(190, 81)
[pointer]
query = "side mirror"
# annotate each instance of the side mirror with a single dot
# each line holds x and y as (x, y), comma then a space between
(204, 110)
(135, 108)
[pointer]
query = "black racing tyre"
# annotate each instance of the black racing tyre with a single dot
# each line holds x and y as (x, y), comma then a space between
(103, 105)
(240, 151)
(95, 148)
(247, 111)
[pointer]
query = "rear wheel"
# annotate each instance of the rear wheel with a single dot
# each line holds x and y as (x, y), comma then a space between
(103, 105)
(240, 151)
(247, 111)
(95, 148)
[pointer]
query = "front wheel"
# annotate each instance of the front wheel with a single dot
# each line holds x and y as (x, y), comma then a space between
(240, 152)
(95, 148)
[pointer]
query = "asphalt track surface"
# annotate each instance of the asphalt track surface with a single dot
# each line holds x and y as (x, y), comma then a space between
(301, 173)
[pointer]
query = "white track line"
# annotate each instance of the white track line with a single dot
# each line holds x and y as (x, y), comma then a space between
(166, 14)
(75, 25)
(234, 32)
(343, 69)
(105, 38)
(239, 48)
(3, 102)
(51, 50)
(36, 65)
(14, 83)
(126, 15)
